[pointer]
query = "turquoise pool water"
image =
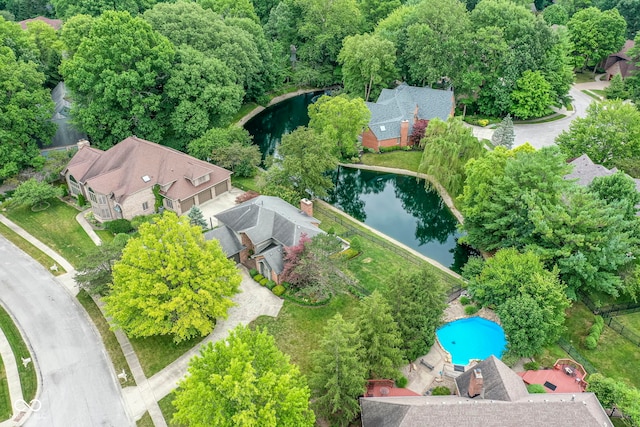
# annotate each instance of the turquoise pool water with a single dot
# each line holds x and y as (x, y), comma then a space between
(472, 338)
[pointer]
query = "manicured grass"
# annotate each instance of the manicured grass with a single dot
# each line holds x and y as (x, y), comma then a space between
(409, 160)
(631, 321)
(156, 353)
(244, 110)
(30, 250)
(104, 235)
(591, 94)
(614, 357)
(28, 378)
(56, 227)
(585, 77)
(550, 354)
(298, 329)
(145, 421)
(108, 337)
(5, 400)
(600, 92)
(544, 120)
(245, 184)
(167, 408)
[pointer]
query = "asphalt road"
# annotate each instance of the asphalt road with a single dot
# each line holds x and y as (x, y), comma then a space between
(78, 387)
(544, 134)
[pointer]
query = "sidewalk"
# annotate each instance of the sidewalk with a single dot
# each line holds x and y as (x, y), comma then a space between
(88, 228)
(13, 378)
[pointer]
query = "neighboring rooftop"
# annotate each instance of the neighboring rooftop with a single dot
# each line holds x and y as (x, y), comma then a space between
(396, 105)
(55, 23)
(500, 382)
(585, 171)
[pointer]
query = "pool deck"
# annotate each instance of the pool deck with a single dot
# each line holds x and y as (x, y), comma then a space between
(421, 378)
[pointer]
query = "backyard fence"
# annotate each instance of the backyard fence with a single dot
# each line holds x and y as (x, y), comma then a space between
(610, 310)
(575, 354)
(623, 330)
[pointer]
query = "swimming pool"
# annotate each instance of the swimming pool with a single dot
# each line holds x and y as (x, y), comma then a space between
(472, 338)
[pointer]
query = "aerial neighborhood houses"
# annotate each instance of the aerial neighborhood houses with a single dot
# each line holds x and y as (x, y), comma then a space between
(120, 182)
(620, 63)
(395, 112)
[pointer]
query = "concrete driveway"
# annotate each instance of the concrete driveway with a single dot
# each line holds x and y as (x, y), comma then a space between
(78, 386)
(221, 203)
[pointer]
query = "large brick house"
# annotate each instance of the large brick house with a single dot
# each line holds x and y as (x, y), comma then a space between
(396, 110)
(119, 182)
(255, 232)
(620, 62)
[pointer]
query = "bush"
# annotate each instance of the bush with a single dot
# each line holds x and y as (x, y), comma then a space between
(271, 284)
(402, 382)
(356, 244)
(389, 149)
(137, 221)
(599, 321)
(253, 272)
(470, 310)
(595, 330)
(349, 253)
(64, 190)
(536, 388)
(258, 277)
(81, 200)
(590, 343)
(441, 391)
(264, 281)
(465, 300)
(286, 285)
(118, 226)
(531, 366)
(278, 290)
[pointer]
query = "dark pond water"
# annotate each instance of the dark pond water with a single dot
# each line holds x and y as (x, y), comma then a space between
(268, 127)
(396, 205)
(401, 207)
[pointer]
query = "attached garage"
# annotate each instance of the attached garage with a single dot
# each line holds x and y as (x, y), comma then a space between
(204, 196)
(221, 187)
(185, 205)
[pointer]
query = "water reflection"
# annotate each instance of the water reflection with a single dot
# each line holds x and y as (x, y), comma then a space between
(400, 207)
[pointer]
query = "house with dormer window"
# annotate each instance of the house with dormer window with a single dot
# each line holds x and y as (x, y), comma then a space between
(120, 182)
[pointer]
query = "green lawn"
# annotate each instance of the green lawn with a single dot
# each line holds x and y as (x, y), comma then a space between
(28, 378)
(245, 184)
(614, 357)
(631, 321)
(585, 77)
(145, 421)
(29, 249)
(244, 110)
(104, 235)
(5, 399)
(108, 337)
(409, 160)
(168, 410)
(156, 353)
(56, 227)
(591, 94)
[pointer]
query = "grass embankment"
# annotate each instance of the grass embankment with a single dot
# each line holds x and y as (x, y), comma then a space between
(297, 329)
(56, 227)
(592, 94)
(409, 160)
(166, 406)
(145, 421)
(5, 399)
(108, 337)
(30, 250)
(614, 357)
(157, 352)
(28, 378)
(631, 321)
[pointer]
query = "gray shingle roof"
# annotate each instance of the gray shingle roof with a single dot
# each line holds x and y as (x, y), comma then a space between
(395, 105)
(228, 240)
(585, 171)
(500, 382)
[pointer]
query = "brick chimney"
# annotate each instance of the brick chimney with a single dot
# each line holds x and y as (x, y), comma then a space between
(83, 143)
(306, 206)
(475, 383)
(404, 133)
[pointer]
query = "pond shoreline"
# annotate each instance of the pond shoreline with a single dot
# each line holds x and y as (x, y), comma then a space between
(273, 101)
(446, 198)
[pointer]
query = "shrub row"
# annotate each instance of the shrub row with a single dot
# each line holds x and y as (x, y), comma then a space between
(118, 226)
(591, 341)
(395, 148)
(299, 301)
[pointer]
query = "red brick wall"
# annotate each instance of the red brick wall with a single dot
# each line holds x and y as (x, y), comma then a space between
(389, 142)
(244, 254)
(369, 140)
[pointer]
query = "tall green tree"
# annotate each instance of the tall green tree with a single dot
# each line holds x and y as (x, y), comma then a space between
(307, 157)
(68, 8)
(610, 131)
(169, 281)
(381, 339)
(339, 376)
(49, 49)
(243, 380)
(95, 269)
(216, 138)
(368, 64)
(197, 218)
(24, 9)
(596, 34)
(448, 146)
(34, 193)
(417, 300)
(504, 134)
(25, 114)
(555, 14)
(616, 88)
(231, 8)
(611, 392)
(375, 10)
(341, 120)
(532, 95)
(117, 76)
(617, 188)
(74, 30)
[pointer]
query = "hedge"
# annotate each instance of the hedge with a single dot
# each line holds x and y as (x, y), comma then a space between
(278, 290)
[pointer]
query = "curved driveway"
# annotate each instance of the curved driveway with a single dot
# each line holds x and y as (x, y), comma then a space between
(78, 386)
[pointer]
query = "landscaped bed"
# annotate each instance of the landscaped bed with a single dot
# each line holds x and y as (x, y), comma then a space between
(56, 227)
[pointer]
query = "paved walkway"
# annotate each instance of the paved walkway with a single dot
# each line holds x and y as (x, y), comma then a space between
(13, 378)
(82, 220)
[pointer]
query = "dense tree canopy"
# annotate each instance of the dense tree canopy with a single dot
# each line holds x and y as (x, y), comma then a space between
(243, 380)
(68, 8)
(169, 281)
(596, 34)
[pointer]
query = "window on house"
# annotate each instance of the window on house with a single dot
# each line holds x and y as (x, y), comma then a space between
(105, 213)
(168, 203)
(201, 180)
(102, 200)
(75, 188)
(145, 206)
(92, 196)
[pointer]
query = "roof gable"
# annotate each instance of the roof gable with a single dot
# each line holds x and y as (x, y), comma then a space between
(500, 382)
